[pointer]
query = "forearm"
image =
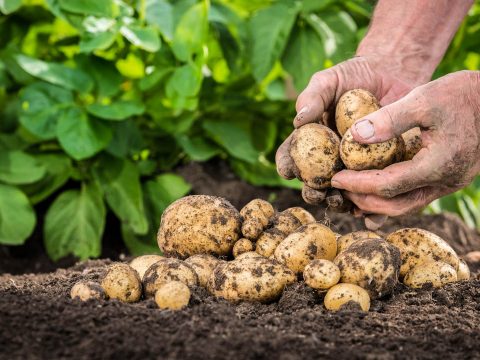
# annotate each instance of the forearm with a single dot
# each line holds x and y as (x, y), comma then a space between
(411, 36)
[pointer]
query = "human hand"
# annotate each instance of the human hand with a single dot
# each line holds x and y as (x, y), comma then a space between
(448, 112)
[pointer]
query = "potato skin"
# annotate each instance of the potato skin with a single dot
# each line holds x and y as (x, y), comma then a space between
(345, 295)
(321, 274)
(249, 255)
(413, 143)
(203, 265)
(436, 273)
(122, 282)
(199, 224)
(309, 242)
(314, 149)
(173, 295)
(86, 290)
(372, 264)
(166, 270)
(301, 214)
(256, 216)
(251, 279)
(344, 241)
(463, 271)
(242, 246)
(142, 263)
(268, 241)
(353, 105)
(285, 222)
(418, 246)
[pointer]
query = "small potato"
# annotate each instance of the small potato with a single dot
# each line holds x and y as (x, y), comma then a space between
(142, 263)
(251, 279)
(345, 295)
(203, 264)
(268, 241)
(353, 105)
(372, 264)
(122, 282)
(321, 274)
(314, 150)
(86, 290)
(312, 196)
(358, 156)
(249, 255)
(463, 271)
(413, 143)
(166, 270)
(199, 224)
(173, 295)
(436, 273)
(344, 241)
(286, 223)
(418, 246)
(309, 242)
(256, 216)
(301, 214)
(242, 246)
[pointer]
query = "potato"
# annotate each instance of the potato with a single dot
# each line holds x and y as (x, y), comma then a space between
(413, 143)
(358, 156)
(173, 295)
(268, 241)
(86, 290)
(142, 263)
(301, 214)
(242, 246)
(203, 265)
(256, 216)
(345, 295)
(312, 196)
(249, 255)
(463, 271)
(199, 224)
(309, 242)
(418, 246)
(286, 223)
(250, 278)
(372, 264)
(314, 149)
(436, 273)
(166, 270)
(344, 241)
(321, 274)
(353, 105)
(122, 282)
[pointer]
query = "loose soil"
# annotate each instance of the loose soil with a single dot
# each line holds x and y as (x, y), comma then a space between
(40, 321)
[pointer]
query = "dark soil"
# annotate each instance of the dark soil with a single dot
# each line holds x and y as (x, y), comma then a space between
(38, 320)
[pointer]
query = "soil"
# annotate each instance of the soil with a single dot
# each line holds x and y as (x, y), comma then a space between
(40, 321)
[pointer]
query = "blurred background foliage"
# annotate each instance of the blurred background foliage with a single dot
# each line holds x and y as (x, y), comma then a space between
(101, 99)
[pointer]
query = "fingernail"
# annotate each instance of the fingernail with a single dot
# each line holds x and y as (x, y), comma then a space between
(335, 183)
(301, 113)
(365, 129)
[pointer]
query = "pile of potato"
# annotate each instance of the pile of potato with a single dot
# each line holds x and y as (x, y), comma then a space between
(254, 253)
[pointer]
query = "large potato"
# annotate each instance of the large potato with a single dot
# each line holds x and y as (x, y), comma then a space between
(372, 264)
(314, 150)
(418, 246)
(413, 143)
(301, 214)
(142, 263)
(353, 105)
(203, 264)
(122, 282)
(250, 278)
(344, 241)
(268, 241)
(345, 295)
(199, 224)
(256, 216)
(309, 242)
(321, 274)
(285, 222)
(436, 273)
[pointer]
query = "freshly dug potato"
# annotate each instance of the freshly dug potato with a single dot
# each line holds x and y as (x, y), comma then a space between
(436, 273)
(353, 105)
(203, 264)
(314, 150)
(268, 241)
(346, 295)
(242, 246)
(463, 271)
(250, 278)
(373, 264)
(166, 270)
(86, 290)
(358, 156)
(286, 223)
(321, 274)
(309, 242)
(344, 241)
(122, 282)
(301, 214)
(199, 224)
(173, 295)
(336, 202)
(142, 263)
(249, 255)
(312, 196)
(418, 246)
(256, 216)
(413, 143)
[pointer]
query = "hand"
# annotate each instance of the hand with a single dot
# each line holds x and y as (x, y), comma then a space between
(448, 112)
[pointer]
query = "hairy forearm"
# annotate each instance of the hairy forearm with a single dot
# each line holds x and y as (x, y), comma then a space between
(411, 36)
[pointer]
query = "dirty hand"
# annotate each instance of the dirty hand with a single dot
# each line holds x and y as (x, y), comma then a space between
(448, 112)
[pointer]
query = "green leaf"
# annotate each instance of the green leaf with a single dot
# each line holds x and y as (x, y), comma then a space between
(17, 218)
(74, 223)
(9, 6)
(58, 74)
(197, 148)
(120, 181)
(269, 30)
(140, 244)
(160, 14)
(185, 81)
(116, 111)
(80, 136)
(108, 80)
(131, 67)
(97, 41)
(145, 38)
(88, 7)
(127, 139)
(17, 167)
